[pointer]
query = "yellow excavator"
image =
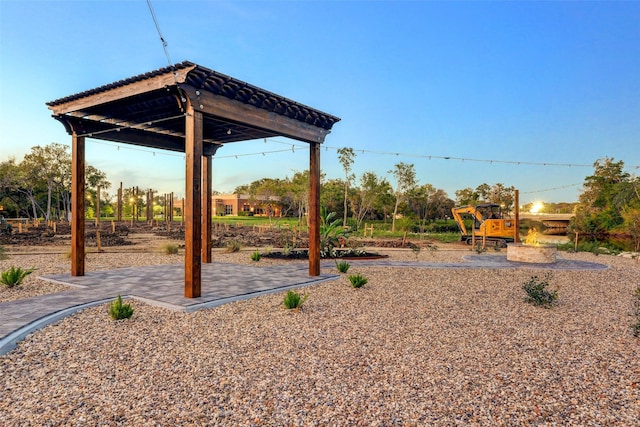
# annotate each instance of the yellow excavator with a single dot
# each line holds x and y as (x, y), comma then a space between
(488, 224)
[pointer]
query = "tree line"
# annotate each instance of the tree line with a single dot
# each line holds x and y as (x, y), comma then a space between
(39, 186)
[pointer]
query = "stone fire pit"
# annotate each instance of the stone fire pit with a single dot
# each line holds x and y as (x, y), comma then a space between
(538, 254)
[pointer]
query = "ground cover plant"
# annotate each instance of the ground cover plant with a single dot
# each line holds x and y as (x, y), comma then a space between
(255, 256)
(294, 300)
(537, 292)
(233, 246)
(14, 276)
(342, 266)
(358, 280)
(118, 310)
(170, 249)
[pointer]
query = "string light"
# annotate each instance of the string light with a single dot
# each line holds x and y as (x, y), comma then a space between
(425, 156)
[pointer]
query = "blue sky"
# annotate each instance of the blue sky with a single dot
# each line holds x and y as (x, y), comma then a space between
(508, 83)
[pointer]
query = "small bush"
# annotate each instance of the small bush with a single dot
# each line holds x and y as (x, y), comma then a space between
(537, 293)
(415, 249)
(118, 310)
(255, 256)
(293, 300)
(14, 276)
(357, 280)
(342, 266)
(479, 248)
(233, 246)
(635, 328)
(170, 249)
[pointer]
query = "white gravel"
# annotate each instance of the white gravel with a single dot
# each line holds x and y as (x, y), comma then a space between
(413, 347)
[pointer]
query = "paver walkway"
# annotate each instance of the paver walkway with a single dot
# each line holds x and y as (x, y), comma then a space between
(221, 283)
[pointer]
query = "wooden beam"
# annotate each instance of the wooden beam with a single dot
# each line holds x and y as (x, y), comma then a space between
(77, 204)
(117, 93)
(314, 209)
(228, 109)
(193, 204)
(207, 165)
(140, 137)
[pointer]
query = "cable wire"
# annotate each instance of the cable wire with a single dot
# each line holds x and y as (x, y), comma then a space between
(165, 45)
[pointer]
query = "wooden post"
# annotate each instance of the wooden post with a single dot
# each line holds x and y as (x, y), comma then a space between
(98, 207)
(516, 233)
(207, 178)
(314, 209)
(77, 204)
(192, 215)
(98, 240)
(119, 204)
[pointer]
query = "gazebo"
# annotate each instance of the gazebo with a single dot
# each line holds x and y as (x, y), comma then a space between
(194, 110)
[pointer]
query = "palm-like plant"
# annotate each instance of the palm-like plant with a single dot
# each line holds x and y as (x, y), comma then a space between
(331, 231)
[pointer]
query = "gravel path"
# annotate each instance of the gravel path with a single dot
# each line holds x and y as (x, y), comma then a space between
(413, 347)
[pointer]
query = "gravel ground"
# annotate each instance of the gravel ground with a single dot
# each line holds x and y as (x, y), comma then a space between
(413, 347)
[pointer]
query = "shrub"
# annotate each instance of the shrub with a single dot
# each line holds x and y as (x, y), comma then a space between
(479, 248)
(14, 276)
(342, 266)
(537, 294)
(357, 280)
(118, 310)
(255, 256)
(293, 300)
(170, 249)
(635, 328)
(415, 249)
(233, 246)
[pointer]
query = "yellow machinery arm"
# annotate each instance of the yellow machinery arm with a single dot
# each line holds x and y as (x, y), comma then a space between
(457, 216)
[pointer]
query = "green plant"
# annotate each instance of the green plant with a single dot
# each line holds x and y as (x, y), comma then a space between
(293, 300)
(14, 276)
(233, 246)
(479, 248)
(415, 249)
(342, 266)
(357, 280)
(537, 293)
(331, 231)
(118, 310)
(635, 328)
(170, 249)
(255, 256)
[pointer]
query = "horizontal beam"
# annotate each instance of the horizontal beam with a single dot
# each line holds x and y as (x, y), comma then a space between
(120, 92)
(250, 116)
(139, 137)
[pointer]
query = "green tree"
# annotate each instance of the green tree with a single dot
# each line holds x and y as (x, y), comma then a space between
(346, 157)
(405, 176)
(47, 167)
(631, 218)
(331, 196)
(467, 196)
(372, 189)
(605, 195)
